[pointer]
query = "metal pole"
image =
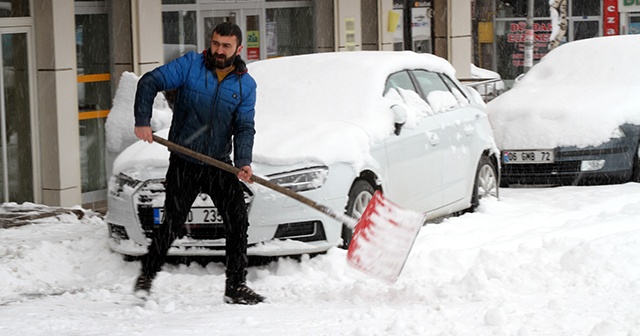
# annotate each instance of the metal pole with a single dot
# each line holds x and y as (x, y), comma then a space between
(407, 35)
(528, 39)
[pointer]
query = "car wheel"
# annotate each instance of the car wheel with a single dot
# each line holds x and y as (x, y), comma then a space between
(486, 183)
(359, 196)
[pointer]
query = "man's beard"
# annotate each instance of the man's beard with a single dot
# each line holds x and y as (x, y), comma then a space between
(223, 62)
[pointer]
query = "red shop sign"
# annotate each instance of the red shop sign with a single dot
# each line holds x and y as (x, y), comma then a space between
(253, 54)
(610, 16)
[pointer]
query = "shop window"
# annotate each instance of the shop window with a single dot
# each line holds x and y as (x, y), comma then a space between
(421, 26)
(16, 174)
(178, 33)
(519, 8)
(509, 40)
(634, 24)
(585, 29)
(94, 97)
(14, 8)
(583, 21)
(586, 7)
(289, 31)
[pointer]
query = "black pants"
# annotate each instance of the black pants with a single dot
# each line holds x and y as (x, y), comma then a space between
(184, 181)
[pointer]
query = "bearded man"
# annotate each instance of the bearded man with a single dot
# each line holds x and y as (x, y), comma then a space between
(213, 113)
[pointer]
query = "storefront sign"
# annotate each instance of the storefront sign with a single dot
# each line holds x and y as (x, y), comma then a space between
(253, 39)
(485, 32)
(253, 45)
(350, 34)
(610, 18)
(627, 5)
(517, 35)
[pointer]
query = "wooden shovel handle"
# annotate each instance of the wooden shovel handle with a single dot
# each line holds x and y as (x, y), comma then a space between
(275, 187)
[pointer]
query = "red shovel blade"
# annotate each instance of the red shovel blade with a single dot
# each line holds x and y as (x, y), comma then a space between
(383, 238)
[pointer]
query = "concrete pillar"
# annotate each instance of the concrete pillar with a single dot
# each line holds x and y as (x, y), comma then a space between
(452, 30)
(120, 37)
(386, 36)
(370, 24)
(323, 30)
(460, 42)
(57, 103)
(440, 28)
(146, 21)
(348, 25)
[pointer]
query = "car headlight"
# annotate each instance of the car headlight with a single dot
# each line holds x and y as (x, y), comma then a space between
(124, 180)
(118, 182)
(303, 179)
(617, 133)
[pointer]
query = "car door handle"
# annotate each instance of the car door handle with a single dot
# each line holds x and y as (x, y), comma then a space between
(468, 129)
(434, 139)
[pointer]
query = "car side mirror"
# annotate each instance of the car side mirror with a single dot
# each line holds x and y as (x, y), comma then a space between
(399, 117)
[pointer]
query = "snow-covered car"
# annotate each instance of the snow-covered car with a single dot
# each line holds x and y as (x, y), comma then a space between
(574, 118)
(488, 83)
(334, 127)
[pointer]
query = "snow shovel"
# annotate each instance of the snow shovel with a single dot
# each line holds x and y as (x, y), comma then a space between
(382, 238)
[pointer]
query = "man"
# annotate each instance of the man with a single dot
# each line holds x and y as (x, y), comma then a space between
(213, 112)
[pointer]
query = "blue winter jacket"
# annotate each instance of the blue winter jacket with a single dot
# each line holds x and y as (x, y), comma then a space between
(207, 115)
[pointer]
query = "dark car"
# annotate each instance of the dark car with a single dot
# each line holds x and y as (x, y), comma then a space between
(574, 118)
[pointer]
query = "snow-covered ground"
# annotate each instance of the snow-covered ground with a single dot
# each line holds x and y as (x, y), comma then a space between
(556, 261)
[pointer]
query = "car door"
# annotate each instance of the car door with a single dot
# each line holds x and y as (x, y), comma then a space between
(414, 175)
(457, 123)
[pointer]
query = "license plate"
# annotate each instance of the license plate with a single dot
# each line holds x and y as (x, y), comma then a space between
(528, 156)
(197, 215)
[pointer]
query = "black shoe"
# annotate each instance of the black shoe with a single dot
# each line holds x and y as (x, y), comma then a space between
(242, 295)
(142, 288)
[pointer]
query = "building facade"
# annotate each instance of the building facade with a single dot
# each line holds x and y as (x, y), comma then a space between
(499, 28)
(62, 60)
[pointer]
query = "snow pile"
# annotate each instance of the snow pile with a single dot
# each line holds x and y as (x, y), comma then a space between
(120, 122)
(558, 261)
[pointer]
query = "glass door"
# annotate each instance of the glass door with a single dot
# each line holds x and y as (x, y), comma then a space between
(252, 40)
(210, 19)
(94, 97)
(16, 131)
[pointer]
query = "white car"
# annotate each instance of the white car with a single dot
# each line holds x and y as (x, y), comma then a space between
(334, 127)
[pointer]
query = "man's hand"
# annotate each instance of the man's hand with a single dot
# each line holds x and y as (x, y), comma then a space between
(245, 174)
(144, 133)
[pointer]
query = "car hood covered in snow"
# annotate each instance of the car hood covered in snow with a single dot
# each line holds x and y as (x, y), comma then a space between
(576, 96)
(319, 108)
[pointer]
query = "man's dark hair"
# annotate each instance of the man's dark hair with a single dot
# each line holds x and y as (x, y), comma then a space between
(228, 29)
